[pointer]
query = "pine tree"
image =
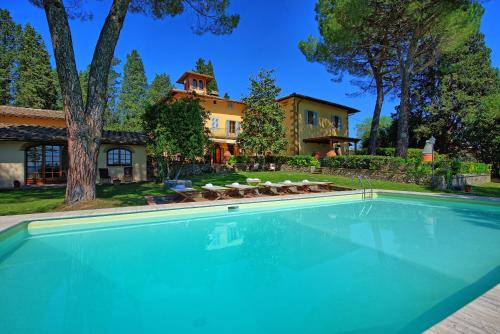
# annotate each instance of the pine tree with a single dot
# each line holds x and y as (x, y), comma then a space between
(159, 88)
(133, 93)
(262, 129)
(461, 106)
(207, 68)
(10, 39)
(35, 86)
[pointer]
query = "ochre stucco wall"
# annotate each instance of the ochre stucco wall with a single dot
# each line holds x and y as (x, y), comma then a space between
(11, 163)
(139, 162)
(323, 128)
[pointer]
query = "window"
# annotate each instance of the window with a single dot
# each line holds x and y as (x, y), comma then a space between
(195, 83)
(214, 122)
(119, 157)
(200, 84)
(311, 117)
(232, 127)
(230, 105)
(337, 122)
(45, 163)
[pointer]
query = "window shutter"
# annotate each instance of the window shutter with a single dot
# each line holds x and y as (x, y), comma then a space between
(340, 122)
(238, 128)
(227, 128)
(306, 121)
(315, 118)
(214, 122)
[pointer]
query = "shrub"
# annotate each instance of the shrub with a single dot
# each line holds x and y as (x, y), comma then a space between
(391, 151)
(303, 161)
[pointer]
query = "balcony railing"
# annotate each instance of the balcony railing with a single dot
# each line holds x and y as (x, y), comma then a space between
(223, 133)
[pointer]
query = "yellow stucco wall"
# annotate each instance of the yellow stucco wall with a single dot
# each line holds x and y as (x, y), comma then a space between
(324, 125)
(59, 123)
(225, 110)
(11, 163)
(139, 162)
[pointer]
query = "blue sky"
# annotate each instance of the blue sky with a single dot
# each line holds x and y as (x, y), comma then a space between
(266, 37)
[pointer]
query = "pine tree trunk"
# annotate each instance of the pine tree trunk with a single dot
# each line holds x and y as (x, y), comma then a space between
(82, 170)
(83, 122)
(372, 145)
(404, 109)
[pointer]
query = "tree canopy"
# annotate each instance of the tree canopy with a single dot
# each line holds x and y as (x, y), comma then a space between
(133, 93)
(176, 131)
(354, 39)
(10, 41)
(262, 128)
(383, 136)
(159, 88)
(35, 85)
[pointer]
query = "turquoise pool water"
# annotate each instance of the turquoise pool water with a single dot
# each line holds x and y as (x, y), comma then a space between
(386, 265)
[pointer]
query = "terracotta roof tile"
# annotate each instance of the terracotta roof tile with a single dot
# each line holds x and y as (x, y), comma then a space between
(31, 112)
(43, 133)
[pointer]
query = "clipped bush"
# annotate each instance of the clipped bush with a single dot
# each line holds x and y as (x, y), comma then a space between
(303, 161)
(391, 152)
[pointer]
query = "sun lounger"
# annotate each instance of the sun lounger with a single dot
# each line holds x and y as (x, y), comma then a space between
(243, 189)
(294, 187)
(275, 188)
(321, 184)
(186, 194)
(217, 191)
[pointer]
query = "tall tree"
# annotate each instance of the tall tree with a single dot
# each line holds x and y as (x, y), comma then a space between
(175, 129)
(35, 86)
(84, 122)
(110, 116)
(133, 93)
(207, 68)
(384, 139)
(419, 32)
(159, 88)
(10, 40)
(462, 108)
(354, 39)
(262, 129)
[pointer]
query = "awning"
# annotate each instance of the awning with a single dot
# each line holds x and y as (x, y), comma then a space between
(224, 141)
(331, 139)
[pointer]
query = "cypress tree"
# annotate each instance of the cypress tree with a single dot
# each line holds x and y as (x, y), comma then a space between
(133, 93)
(10, 34)
(159, 88)
(207, 68)
(35, 86)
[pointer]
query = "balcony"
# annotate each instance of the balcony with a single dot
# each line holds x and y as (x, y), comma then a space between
(223, 133)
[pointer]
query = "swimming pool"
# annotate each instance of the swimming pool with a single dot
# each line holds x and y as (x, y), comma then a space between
(383, 265)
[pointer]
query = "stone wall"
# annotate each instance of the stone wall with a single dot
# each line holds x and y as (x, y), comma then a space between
(372, 174)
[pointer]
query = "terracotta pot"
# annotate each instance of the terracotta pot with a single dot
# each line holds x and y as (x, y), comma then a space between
(331, 154)
(427, 157)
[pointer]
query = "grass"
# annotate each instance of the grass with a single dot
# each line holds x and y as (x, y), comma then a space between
(33, 200)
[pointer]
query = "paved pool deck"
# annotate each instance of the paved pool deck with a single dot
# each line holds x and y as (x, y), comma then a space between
(482, 315)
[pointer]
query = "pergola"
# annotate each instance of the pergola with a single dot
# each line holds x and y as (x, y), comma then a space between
(331, 140)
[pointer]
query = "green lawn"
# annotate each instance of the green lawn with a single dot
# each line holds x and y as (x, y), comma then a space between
(51, 199)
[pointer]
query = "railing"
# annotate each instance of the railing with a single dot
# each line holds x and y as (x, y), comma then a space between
(363, 187)
(223, 133)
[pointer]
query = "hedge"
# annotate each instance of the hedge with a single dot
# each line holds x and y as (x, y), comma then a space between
(296, 160)
(408, 165)
(303, 161)
(391, 152)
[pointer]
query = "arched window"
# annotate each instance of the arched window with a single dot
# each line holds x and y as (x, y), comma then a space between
(195, 83)
(201, 84)
(119, 157)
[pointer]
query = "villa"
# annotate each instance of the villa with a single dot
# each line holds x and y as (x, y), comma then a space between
(33, 141)
(312, 124)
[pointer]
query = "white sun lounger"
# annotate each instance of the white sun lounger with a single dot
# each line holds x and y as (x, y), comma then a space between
(243, 189)
(218, 191)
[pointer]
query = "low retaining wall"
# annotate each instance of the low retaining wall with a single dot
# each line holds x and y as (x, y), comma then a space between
(372, 174)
